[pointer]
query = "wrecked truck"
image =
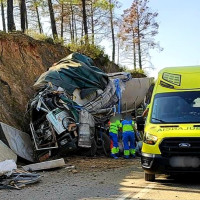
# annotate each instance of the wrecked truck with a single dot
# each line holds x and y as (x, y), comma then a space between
(73, 102)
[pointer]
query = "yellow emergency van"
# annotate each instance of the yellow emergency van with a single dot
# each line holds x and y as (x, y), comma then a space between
(171, 142)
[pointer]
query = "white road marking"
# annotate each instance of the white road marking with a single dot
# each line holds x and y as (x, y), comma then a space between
(140, 194)
(144, 191)
(124, 196)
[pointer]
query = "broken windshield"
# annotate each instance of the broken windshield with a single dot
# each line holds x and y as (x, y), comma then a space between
(176, 107)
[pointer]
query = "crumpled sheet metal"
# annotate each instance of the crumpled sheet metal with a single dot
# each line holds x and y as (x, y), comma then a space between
(18, 179)
(133, 90)
(17, 140)
(105, 100)
(98, 111)
(6, 153)
(45, 165)
(124, 76)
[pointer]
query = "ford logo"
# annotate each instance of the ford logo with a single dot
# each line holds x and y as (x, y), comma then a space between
(184, 145)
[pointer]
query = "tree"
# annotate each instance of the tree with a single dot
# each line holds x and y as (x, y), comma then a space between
(62, 17)
(112, 30)
(3, 16)
(85, 20)
(36, 5)
(72, 23)
(10, 17)
(128, 36)
(140, 27)
(66, 16)
(23, 14)
(53, 22)
(92, 19)
(69, 17)
(98, 20)
(111, 5)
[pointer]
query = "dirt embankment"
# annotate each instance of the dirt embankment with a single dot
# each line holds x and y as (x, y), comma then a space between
(22, 60)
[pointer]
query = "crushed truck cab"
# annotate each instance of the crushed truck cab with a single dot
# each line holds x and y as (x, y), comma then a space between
(172, 131)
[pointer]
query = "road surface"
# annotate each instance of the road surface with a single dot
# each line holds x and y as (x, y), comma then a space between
(106, 179)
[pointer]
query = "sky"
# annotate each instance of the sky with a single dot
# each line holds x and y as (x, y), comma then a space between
(179, 33)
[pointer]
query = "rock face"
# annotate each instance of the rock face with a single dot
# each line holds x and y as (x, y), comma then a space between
(22, 60)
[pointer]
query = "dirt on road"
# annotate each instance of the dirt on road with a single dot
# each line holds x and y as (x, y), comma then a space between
(82, 177)
(94, 164)
(105, 179)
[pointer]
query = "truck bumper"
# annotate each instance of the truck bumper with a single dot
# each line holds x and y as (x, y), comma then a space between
(157, 164)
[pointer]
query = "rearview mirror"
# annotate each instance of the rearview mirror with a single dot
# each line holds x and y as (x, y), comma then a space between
(140, 123)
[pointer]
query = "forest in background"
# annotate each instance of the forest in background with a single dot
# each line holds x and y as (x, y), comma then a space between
(82, 25)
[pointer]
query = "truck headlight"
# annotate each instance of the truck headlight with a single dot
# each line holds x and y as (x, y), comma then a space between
(150, 139)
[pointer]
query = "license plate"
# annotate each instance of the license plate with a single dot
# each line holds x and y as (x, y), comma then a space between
(184, 161)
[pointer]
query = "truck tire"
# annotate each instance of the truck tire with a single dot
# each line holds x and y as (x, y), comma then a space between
(149, 177)
(103, 147)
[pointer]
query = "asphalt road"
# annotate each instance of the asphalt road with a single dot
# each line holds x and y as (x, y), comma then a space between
(121, 183)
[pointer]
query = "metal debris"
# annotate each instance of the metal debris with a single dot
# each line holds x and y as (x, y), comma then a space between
(18, 179)
(18, 141)
(45, 165)
(6, 153)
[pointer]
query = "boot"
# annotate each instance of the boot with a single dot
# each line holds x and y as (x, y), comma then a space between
(133, 155)
(126, 157)
(114, 156)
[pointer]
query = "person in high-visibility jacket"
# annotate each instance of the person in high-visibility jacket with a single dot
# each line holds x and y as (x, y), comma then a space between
(128, 134)
(113, 132)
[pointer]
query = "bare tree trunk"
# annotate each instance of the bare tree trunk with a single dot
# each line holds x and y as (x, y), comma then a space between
(139, 51)
(139, 44)
(72, 22)
(92, 21)
(70, 28)
(85, 21)
(82, 29)
(75, 29)
(26, 20)
(134, 56)
(118, 51)
(134, 52)
(23, 14)
(10, 17)
(38, 17)
(3, 16)
(112, 31)
(62, 20)
(53, 22)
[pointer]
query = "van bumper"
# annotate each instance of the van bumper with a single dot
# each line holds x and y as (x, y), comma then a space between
(153, 163)
(157, 164)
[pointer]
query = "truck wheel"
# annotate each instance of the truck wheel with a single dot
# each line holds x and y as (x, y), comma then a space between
(103, 145)
(149, 177)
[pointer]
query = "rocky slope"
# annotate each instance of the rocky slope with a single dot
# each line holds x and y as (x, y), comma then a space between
(22, 60)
